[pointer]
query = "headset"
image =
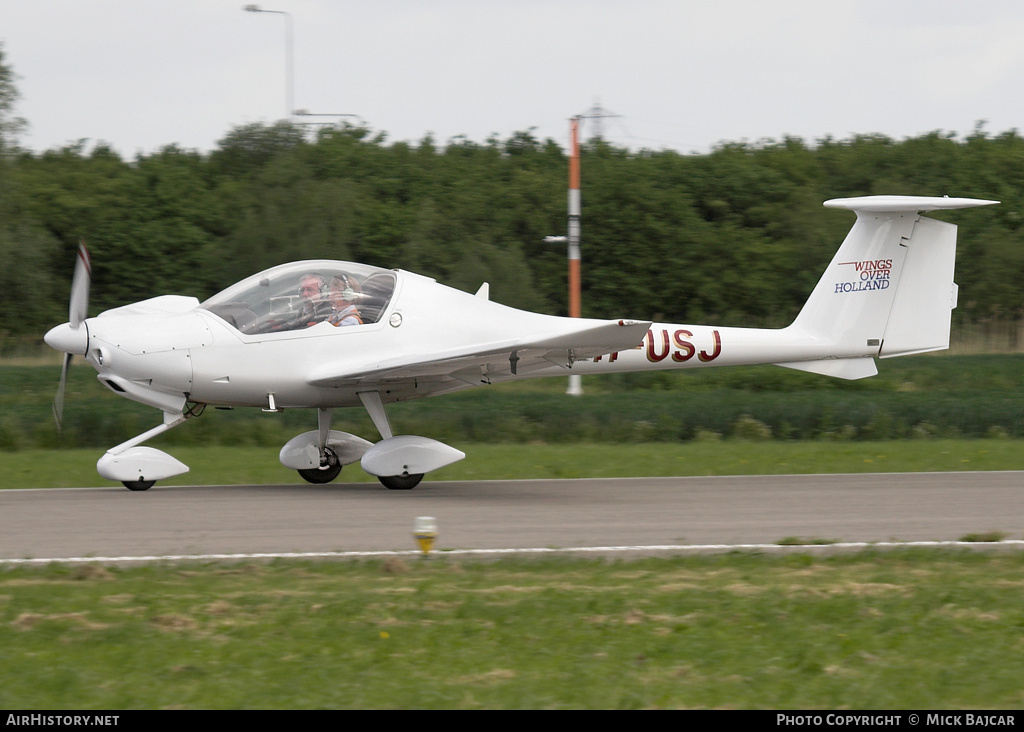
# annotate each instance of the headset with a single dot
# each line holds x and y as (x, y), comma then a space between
(347, 292)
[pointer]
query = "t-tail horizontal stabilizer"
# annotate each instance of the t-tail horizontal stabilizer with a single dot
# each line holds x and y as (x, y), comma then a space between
(889, 290)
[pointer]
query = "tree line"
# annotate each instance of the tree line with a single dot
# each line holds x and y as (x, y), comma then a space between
(737, 236)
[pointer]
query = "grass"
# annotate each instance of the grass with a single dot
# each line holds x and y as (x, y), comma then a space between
(895, 630)
(988, 536)
(805, 541)
(259, 465)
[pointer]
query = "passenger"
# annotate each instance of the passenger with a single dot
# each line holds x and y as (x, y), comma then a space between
(343, 292)
(314, 308)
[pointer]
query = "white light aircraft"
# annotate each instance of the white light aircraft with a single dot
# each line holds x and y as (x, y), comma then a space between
(325, 334)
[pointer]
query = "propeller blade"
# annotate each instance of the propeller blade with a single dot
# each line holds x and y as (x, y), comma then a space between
(58, 400)
(77, 312)
(80, 287)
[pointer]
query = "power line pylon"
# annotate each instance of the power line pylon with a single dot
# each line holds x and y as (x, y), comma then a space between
(598, 113)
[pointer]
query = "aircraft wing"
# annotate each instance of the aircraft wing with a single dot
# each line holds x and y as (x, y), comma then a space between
(474, 364)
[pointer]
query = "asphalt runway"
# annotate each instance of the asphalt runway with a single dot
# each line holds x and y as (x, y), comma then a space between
(636, 512)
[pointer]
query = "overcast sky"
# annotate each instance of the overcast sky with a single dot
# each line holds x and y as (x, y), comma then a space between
(141, 74)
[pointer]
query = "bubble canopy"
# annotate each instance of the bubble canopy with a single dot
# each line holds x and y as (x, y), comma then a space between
(300, 294)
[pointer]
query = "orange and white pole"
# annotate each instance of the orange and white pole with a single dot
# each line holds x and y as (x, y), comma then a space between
(574, 219)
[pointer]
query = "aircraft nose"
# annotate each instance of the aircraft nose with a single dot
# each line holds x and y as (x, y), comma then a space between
(67, 339)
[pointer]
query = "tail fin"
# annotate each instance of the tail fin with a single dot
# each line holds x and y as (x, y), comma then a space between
(889, 290)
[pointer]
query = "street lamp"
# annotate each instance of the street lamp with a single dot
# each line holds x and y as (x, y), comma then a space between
(573, 240)
(288, 56)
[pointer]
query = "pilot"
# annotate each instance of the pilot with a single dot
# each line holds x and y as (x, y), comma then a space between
(314, 307)
(343, 291)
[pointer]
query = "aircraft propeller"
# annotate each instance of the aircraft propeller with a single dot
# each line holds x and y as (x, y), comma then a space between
(72, 337)
(80, 287)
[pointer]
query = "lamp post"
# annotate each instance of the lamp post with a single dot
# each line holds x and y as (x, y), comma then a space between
(573, 240)
(574, 219)
(288, 56)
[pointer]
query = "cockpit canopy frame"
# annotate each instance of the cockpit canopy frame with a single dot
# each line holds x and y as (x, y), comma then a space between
(272, 301)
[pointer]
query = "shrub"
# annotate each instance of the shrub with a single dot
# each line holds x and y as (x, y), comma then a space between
(748, 428)
(702, 434)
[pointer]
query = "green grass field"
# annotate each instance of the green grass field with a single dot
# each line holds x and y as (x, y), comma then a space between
(904, 629)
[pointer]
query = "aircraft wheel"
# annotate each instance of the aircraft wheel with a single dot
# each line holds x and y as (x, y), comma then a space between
(325, 473)
(401, 482)
(138, 485)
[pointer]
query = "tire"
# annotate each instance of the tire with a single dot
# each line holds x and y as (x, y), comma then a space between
(401, 482)
(324, 474)
(138, 485)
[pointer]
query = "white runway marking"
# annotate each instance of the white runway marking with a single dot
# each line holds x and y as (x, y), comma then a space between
(668, 548)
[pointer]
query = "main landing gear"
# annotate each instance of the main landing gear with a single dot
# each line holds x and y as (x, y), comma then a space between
(330, 472)
(330, 468)
(138, 485)
(323, 453)
(400, 482)
(398, 462)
